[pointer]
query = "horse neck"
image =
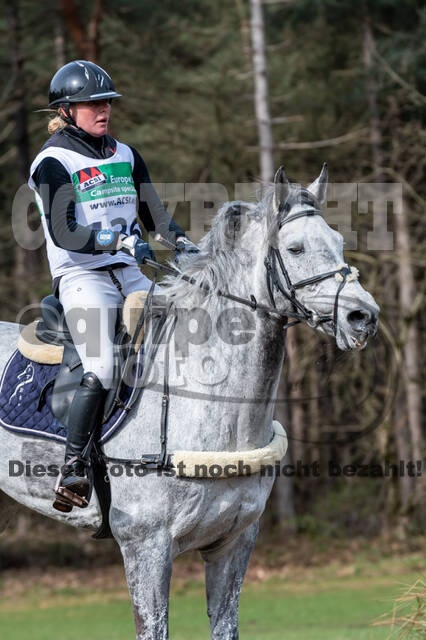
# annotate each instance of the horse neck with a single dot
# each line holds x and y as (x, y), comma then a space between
(235, 384)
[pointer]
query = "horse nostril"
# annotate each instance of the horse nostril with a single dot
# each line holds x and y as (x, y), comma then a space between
(363, 321)
(358, 317)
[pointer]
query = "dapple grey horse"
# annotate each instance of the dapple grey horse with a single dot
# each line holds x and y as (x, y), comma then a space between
(225, 363)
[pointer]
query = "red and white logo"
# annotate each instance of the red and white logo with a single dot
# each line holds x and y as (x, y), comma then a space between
(90, 177)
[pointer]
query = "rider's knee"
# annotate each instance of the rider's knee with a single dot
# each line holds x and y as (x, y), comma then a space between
(98, 378)
(91, 381)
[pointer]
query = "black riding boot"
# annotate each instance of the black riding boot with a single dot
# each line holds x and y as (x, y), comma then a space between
(85, 416)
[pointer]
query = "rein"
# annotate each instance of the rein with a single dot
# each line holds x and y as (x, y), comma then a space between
(274, 260)
(252, 302)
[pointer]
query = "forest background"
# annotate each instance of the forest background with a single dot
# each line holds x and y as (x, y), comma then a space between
(344, 82)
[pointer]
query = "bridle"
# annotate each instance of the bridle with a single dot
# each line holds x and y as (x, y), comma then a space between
(274, 263)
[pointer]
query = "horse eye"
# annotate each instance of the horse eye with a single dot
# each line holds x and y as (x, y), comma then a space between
(296, 250)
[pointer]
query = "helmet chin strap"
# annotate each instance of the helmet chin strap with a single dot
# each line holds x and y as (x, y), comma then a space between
(66, 114)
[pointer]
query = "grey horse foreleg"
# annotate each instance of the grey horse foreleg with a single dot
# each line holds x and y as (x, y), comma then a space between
(224, 579)
(148, 564)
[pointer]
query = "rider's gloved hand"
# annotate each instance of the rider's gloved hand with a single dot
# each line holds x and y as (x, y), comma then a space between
(184, 246)
(138, 248)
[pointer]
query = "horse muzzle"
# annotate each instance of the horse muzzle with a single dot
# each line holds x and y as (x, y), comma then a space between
(361, 324)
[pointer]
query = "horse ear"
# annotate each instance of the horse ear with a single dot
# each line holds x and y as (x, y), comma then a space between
(318, 188)
(280, 189)
(235, 217)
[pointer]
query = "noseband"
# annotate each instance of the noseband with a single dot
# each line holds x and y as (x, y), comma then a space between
(274, 263)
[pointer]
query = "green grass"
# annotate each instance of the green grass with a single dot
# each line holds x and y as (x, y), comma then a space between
(315, 608)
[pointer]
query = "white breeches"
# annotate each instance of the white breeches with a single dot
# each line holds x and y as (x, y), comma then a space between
(90, 300)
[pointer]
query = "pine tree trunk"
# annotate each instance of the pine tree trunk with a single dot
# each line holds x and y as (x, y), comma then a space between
(297, 411)
(314, 413)
(282, 499)
(261, 92)
(403, 448)
(374, 117)
(60, 53)
(408, 412)
(410, 349)
(86, 40)
(377, 161)
(28, 262)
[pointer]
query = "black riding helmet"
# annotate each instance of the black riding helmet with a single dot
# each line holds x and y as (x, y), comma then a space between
(80, 81)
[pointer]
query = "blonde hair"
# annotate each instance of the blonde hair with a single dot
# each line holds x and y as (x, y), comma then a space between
(56, 123)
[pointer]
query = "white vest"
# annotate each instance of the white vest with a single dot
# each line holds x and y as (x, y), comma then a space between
(106, 198)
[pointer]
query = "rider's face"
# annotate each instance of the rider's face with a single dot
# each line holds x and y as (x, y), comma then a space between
(92, 117)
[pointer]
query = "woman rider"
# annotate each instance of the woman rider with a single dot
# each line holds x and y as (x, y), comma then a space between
(89, 188)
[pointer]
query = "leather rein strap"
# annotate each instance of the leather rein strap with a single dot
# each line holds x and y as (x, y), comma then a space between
(300, 313)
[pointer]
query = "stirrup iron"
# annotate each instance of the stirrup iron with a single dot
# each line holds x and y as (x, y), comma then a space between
(65, 498)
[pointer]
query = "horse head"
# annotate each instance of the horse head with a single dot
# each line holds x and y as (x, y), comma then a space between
(281, 251)
(307, 270)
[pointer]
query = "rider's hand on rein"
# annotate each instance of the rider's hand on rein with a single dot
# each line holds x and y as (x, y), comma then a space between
(138, 248)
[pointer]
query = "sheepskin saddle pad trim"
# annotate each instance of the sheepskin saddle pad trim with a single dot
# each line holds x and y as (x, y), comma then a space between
(132, 309)
(30, 346)
(225, 464)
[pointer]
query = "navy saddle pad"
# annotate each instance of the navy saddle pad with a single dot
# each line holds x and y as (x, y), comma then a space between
(20, 388)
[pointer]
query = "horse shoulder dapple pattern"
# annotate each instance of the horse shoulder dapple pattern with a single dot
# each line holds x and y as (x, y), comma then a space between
(20, 387)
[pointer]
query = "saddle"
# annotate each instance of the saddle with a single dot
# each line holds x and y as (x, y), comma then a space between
(48, 341)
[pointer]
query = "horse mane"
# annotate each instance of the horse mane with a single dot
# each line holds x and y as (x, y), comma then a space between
(224, 259)
(211, 268)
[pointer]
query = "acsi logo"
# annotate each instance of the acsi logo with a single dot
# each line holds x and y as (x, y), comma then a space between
(90, 177)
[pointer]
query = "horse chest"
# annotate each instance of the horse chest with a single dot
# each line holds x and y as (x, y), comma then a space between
(196, 512)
